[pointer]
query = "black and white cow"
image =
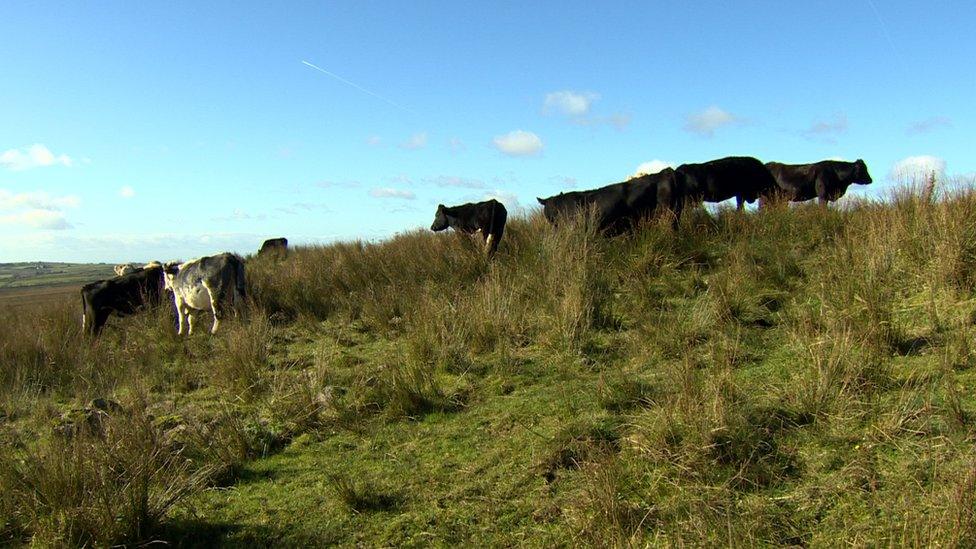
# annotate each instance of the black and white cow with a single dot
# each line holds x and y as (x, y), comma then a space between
(826, 180)
(123, 295)
(618, 207)
(274, 246)
(486, 219)
(208, 283)
(742, 177)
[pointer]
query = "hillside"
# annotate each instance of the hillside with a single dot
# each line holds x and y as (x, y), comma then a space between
(795, 376)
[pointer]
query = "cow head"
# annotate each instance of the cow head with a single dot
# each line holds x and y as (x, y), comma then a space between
(860, 174)
(169, 274)
(440, 219)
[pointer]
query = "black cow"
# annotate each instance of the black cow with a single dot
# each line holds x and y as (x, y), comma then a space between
(742, 177)
(826, 180)
(123, 295)
(485, 218)
(618, 207)
(274, 246)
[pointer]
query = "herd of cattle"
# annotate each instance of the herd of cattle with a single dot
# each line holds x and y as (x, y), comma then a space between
(214, 283)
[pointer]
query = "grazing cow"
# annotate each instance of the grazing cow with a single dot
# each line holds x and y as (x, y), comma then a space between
(123, 295)
(742, 177)
(125, 268)
(274, 246)
(826, 180)
(618, 207)
(486, 219)
(205, 284)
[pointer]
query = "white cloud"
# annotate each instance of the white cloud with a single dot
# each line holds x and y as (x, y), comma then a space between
(34, 156)
(569, 103)
(387, 192)
(374, 141)
(652, 166)
(918, 168)
(416, 141)
(929, 125)
(126, 191)
(518, 143)
(705, 123)
(39, 200)
(38, 219)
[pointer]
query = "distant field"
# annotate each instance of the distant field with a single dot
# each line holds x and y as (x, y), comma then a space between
(34, 295)
(25, 275)
(33, 283)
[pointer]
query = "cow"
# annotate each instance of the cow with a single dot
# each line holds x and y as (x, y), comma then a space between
(205, 284)
(619, 206)
(274, 246)
(486, 219)
(125, 268)
(124, 295)
(742, 177)
(826, 180)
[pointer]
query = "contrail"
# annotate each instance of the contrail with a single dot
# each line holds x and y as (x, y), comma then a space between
(357, 86)
(884, 28)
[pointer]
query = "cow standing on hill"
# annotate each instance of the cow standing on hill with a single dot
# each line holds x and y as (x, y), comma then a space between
(826, 180)
(123, 295)
(274, 246)
(620, 206)
(486, 219)
(205, 284)
(742, 177)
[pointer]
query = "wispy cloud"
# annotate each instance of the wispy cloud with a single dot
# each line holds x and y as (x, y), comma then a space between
(33, 156)
(37, 219)
(40, 200)
(36, 209)
(519, 143)
(652, 166)
(918, 168)
(127, 192)
(328, 184)
(353, 84)
(374, 141)
(706, 122)
(388, 192)
(296, 207)
(240, 215)
(827, 130)
(455, 145)
(568, 102)
(456, 181)
(415, 141)
(929, 125)
(509, 199)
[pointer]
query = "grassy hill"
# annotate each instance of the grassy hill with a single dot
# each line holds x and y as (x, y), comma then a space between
(796, 376)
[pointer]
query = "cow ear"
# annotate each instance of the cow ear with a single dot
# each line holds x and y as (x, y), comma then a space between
(541, 201)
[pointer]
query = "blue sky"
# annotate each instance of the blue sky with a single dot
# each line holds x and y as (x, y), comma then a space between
(132, 131)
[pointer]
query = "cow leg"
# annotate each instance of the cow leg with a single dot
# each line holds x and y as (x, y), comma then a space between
(181, 319)
(739, 203)
(489, 249)
(215, 307)
(189, 322)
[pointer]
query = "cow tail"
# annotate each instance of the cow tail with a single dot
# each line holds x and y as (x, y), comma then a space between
(241, 283)
(84, 313)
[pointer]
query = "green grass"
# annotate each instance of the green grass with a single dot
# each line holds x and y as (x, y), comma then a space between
(796, 376)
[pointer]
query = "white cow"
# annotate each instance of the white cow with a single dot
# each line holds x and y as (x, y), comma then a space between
(205, 284)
